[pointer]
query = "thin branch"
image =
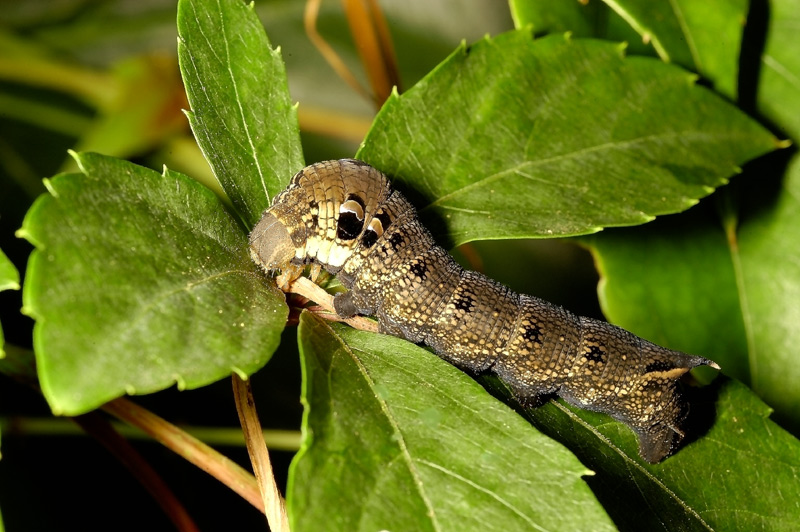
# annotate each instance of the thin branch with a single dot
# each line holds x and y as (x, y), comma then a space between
(332, 123)
(198, 453)
(259, 456)
(283, 440)
(310, 22)
(374, 44)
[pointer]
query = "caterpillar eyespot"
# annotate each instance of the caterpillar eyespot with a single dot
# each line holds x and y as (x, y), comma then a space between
(344, 216)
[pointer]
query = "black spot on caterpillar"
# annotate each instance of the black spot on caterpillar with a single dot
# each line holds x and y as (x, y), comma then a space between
(345, 217)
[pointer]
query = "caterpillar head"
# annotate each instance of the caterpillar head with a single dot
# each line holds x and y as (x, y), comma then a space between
(271, 246)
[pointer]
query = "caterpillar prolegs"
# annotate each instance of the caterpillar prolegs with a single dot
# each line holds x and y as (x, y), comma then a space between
(344, 216)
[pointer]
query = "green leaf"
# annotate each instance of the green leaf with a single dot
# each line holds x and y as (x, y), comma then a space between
(779, 84)
(241, 114)
(766, 256)
(704, 37)
(673, 283)
(140, 281)
(732, 297)
(580, 19)
(397, 439)
(9, 279)
(515, 138)
(739, 473)
(730, 294)
(9, 276)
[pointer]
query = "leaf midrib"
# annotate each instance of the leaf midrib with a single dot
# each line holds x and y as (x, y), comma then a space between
(611, 146)
(242, 115)
(398, 435)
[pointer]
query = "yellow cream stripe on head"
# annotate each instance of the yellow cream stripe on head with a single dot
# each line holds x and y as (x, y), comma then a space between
(354, 207)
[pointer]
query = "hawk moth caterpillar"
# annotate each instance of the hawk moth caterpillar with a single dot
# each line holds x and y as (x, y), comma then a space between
(344, 216)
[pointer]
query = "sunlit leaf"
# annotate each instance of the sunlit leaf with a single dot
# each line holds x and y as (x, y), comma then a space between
(241, 113)
(140, 281)
(779, 84)
(397, 439)
(9, 279)
(514, 138)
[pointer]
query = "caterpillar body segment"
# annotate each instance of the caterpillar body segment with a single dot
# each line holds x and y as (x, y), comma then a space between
(344, 216)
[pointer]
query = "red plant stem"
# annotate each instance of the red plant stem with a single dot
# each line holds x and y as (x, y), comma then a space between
(99, 428)
(198, 453)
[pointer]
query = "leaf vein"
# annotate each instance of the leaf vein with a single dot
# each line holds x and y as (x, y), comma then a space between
(632, 464)
(488, 492)
(399, 437)
(521, 167)
(687, 33)
(781, 70)
(238, 99)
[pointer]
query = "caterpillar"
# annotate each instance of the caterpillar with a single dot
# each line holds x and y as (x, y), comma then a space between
(345, 217)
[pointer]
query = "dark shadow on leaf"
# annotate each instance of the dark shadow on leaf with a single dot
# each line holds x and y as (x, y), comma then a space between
(754, 38)
(702, 410)
(430, 218)
(622, 481)
(760, 186)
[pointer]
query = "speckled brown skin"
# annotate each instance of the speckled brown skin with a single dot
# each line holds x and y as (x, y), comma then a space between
(343, 216)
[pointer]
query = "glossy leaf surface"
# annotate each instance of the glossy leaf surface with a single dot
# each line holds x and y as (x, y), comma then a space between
(141, 281)
(397, 439)
(9, 280)
(241, 113)
(514, 138)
